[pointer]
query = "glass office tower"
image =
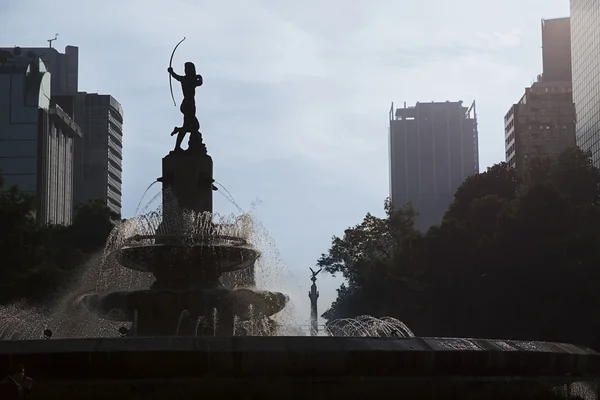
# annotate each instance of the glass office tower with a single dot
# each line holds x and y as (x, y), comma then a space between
(585, 59)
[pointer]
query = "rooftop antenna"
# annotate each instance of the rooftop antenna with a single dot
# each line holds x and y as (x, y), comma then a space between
(52, 40)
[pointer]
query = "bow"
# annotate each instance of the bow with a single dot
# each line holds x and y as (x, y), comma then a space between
(170, 66)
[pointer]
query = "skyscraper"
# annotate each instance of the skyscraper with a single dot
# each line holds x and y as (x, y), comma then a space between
(543, 121)
(64, 67)
(433, 149)
(585, 53)
(98, 157)
(36, 136)
(556, 50)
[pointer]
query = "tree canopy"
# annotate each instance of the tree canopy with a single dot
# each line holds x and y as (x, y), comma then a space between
(514, 257)
(36, 260)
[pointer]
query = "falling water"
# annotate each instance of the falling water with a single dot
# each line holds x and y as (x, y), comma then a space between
(367, 326)
(227, 195)
(137, 209)
(67, 318)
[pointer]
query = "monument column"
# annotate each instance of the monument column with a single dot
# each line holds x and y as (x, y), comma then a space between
(313, 295)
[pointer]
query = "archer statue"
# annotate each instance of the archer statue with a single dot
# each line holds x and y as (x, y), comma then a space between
(189, 82)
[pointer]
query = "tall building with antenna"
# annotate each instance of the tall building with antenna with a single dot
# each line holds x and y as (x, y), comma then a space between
(63, 67)
(433, 149)
(98, 154)
(543, 120)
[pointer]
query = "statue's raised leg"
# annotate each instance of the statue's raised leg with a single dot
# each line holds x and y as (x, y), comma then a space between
(180, 135)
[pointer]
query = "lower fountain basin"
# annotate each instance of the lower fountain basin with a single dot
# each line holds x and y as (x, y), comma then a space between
(121, 306)
(295, 367)
(202, 261)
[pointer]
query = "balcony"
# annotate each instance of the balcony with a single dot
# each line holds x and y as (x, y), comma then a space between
(114, 171)
(115, 159)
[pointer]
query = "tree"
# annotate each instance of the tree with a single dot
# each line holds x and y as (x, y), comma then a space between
(499, 180)
(19, 237)
(365, 256)
(37, 260)
(511, 259)
(92, 224)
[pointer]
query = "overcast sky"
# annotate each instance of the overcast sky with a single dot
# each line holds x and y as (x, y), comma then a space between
(294, 107)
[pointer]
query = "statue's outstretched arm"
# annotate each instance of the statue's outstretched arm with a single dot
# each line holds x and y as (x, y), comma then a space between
(174, 75)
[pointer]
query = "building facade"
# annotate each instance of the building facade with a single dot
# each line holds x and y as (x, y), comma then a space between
(36, 137)
(99, 156)
(63, 67)
(433, 149)
(585, 53)
(543, 121)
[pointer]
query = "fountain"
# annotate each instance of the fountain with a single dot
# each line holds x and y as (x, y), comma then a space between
(183, 336)
(186, 255)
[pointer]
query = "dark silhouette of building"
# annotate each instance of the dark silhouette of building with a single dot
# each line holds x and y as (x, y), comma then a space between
(99, 155)
(543, 121)
(556, 50)
(433, 149)
(36, 136)
(64, 67)
(585, 53)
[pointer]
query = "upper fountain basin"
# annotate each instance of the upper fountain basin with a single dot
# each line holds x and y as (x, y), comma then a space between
(171, 260)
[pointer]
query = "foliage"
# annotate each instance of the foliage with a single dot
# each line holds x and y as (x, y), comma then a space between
(512, 258)
(37, 260)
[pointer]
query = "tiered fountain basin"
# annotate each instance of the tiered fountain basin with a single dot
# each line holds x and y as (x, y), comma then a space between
(187, 293)
(296, 367)
(188, 258)
(247, 304)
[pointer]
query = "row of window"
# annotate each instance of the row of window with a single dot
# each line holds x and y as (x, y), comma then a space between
(585, 34)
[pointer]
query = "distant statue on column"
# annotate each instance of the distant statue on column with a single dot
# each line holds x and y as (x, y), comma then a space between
(313, 295)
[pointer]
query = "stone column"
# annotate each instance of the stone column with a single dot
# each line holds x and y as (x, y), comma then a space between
(187, 186)
(314, 316)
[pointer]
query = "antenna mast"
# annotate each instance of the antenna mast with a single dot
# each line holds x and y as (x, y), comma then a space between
(52, 40)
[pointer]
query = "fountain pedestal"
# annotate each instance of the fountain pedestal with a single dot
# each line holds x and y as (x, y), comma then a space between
(187, 179)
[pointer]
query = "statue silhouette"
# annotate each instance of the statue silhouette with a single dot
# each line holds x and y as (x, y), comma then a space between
(314, 274)
(189, 82)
